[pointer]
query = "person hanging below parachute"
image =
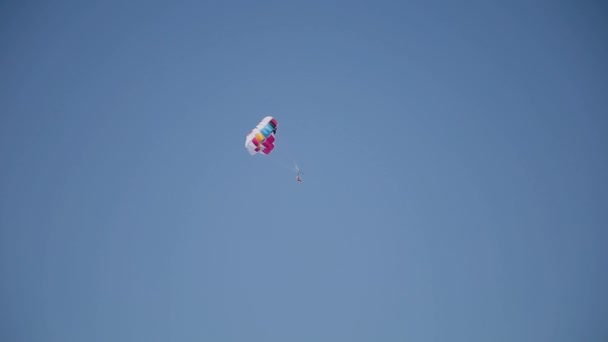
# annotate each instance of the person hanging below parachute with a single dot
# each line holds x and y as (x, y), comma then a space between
(298, 178)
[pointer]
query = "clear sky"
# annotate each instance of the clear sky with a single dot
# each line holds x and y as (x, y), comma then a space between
(455, 160)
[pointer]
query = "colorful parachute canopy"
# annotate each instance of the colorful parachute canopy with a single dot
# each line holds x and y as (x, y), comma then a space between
(261, 138)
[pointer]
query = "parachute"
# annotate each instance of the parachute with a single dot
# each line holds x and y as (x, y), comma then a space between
(261, 138)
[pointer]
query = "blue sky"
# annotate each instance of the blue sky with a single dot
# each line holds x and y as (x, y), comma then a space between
(454, 156)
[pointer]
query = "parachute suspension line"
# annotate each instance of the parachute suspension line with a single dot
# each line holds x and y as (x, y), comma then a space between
(280, 164)
(285, 146)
